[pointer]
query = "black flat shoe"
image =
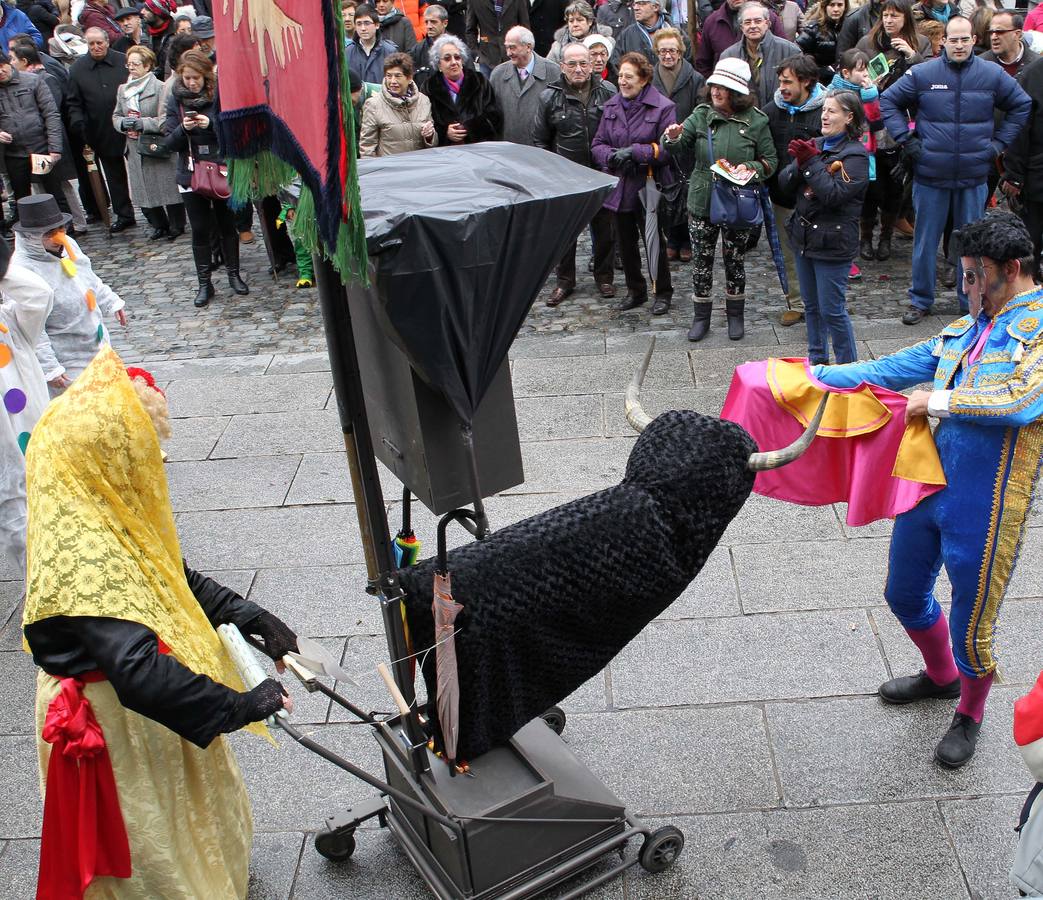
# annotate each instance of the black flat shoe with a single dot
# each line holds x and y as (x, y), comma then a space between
(121, 225)
(158, 234)
(661, 306)
(631, 302)
(911, 688)
(957, 745)
(175, 233)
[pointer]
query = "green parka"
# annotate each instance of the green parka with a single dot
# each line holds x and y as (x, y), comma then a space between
(743, 138)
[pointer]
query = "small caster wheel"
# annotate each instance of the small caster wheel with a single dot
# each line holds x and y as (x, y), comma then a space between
(661, 848)
(555, 719)
(335, 846)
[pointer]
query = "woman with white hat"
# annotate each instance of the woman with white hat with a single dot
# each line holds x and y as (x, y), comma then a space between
(601, 47)
(741, 136)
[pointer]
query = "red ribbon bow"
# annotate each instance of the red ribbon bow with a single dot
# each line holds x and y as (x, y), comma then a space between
(83, 831)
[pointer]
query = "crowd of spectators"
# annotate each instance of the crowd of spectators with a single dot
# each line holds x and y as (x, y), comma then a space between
(933, 112)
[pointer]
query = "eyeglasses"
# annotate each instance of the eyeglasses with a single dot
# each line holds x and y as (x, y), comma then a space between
(668, 51)
(993, 31)
(451, 57)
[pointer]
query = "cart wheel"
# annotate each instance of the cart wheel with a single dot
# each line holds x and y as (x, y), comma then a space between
(661, 848)
(555, 719)
(335, 845)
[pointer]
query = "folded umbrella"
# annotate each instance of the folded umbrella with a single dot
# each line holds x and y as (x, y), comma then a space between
(649, 196)
(445, 611)
(97, 186)
(772, 230)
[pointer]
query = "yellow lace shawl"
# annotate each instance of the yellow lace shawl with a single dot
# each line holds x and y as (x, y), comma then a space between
(101, 538)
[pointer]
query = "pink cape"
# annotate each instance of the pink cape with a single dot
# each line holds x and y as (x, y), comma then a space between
(857, 470)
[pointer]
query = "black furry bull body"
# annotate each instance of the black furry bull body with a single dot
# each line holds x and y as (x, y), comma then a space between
(549, 601)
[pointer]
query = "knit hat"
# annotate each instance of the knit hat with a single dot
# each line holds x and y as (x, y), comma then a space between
(591, 39)
(733, 74)
(165, 9)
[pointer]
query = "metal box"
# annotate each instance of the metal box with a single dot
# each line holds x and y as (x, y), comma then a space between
(415, 432)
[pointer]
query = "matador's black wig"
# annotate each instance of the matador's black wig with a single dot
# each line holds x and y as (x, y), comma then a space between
(999, 235)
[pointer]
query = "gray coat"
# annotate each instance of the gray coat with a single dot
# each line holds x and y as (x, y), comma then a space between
(151, 180)
(28, 113)
(520, 100)
(773, 51)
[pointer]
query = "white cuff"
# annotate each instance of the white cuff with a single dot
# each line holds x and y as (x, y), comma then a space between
(54, 373)
(938, 404)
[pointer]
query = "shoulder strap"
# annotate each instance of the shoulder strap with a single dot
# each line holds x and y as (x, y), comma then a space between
(709, 137)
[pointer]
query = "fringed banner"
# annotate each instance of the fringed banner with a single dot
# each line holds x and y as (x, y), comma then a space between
(286, 112)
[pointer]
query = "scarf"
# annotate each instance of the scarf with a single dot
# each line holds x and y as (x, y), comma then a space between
(831, 143)
(101, 538)
(193, 100)
(132, 89)
(454, 87)
(868, 94)
(813, 97)
(669, 78)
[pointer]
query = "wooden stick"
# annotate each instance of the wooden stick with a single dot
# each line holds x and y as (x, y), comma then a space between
(396, 694)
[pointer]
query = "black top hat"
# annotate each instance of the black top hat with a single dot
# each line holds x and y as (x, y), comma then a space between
(40, 213)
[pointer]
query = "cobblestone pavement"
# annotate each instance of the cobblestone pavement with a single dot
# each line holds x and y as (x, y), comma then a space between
(745, 714)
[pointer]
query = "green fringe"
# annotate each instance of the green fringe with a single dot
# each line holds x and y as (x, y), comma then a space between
(303, 230)
(260, 176)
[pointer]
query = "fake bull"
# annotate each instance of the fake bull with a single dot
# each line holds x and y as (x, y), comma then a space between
(550, 600)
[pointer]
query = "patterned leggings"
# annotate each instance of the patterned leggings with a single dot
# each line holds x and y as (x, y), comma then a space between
(733, 249)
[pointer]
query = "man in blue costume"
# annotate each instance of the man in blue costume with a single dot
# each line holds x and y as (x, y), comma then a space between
(987, 370)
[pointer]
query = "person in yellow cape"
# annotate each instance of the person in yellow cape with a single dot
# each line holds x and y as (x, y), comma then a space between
(142, 795)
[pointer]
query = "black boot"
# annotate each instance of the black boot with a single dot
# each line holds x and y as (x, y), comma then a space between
(865, 246)
(206, 286)
(236, 283)
(957, 746)
(734, 308)
(701, 321)
(883, 250)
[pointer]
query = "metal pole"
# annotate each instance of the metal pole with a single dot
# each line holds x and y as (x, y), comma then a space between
(365, 483)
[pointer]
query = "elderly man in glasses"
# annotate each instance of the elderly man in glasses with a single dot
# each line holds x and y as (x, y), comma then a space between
(987, 375)
(956, 98)
(763, 50)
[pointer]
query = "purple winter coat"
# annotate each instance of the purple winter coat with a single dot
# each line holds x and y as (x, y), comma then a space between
(615, 132)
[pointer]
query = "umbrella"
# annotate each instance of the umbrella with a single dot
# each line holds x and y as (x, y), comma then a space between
(445, 611)
(407, 547)
(771, 229)
(97, 186)
(649, 196)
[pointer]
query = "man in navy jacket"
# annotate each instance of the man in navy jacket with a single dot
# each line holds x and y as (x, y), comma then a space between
(954, 99)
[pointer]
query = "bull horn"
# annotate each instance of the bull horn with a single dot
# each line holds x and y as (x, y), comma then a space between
(773, 459)
(635, 412)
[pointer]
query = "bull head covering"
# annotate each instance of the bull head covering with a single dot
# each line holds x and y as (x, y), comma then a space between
(101, 538)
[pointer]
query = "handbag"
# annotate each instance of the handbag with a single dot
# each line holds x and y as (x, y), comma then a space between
(152, 146)
(673, 197)
(733, 205)
(210, 179)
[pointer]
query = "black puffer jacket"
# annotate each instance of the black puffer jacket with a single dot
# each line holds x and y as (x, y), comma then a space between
(820, 41)
(1023, 161)
(824, 224)
(199, 143)
(804, 124)
(565, 126)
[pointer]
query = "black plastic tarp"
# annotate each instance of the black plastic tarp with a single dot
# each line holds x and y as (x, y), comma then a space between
(462, 239)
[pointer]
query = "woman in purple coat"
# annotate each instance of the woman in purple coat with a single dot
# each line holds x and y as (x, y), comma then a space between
(626, 144)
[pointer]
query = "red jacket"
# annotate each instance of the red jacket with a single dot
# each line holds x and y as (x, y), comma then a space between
(101, 17)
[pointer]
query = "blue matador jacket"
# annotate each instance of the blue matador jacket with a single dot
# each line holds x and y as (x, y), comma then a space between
(990, 446)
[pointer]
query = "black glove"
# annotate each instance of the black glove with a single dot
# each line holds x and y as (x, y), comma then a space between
(256, 705)
(130, 123)
(278, 638)
(623, 160)
(912, 149)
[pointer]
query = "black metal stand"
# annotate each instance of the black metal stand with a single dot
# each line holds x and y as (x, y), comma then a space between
(365, 485)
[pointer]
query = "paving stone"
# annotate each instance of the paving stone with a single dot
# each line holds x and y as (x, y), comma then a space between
(194, 438)
(273, 864)
(266, 538)
(292, 789)
(714, 366)
(717, 777)
(763, 520)
(588, 344)
(228, 395)
(1018, 641)
(18, 694)
(319, 601)
(983, 831)
(811, 575)
(558, 418)
(10, 595)
(20, 788)
(708, 402)
(589, 465)
(712, 592)
(323, 478)
(895, 852)
(596, 374)
(748, 658)
(230, 483)
(267, 434)
(19, 863)
(860, 750)
(239, 580)
(1027, 580)
(294, 363)
(176, 370)
(637, 342)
